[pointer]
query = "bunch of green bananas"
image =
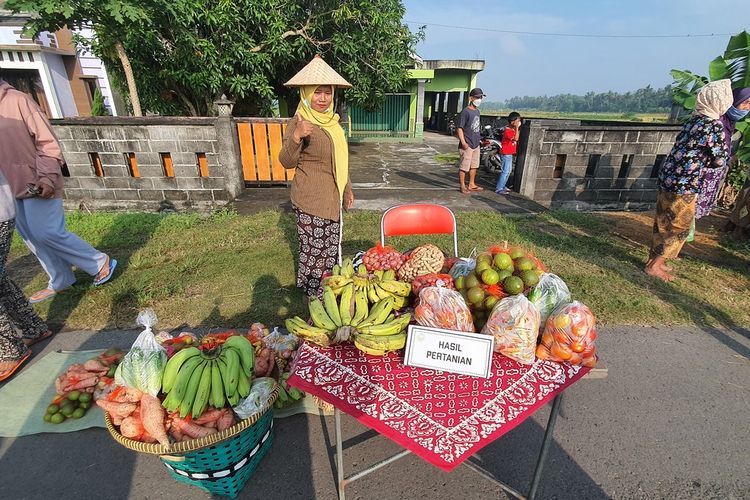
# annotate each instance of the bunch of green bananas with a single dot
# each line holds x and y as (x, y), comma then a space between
(378, 286)
(193, 379)
(339, 318)
(287, 394)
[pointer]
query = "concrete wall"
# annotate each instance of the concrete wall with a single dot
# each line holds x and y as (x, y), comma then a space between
(113, 139)
(580, 166)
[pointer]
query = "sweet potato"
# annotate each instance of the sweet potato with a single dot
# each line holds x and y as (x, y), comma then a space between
(132, 427)
(121, 410)
(192, 429)
(95, 366)
(152, 416)
(210, 415)
(124, 394)
(226, 420)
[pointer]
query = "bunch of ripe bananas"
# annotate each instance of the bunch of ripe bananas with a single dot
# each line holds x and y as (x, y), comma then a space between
(375, 330)
(193, 379)
(377, 286)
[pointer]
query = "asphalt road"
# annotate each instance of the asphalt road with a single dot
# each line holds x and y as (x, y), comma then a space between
(670, 421)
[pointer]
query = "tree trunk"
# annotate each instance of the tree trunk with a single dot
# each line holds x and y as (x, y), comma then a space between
(132, 89)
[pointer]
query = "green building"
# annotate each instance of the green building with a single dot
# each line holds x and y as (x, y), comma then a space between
(438, 90)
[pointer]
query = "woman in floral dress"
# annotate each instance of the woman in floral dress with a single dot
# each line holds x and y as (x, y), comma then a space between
(700, 145)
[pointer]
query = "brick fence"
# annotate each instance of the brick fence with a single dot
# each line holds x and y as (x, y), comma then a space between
(139, 163)
(195, 163)
(584, 166)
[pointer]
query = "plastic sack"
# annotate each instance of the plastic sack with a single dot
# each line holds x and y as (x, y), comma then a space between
(432, 279)
(465, 265)
(280, 342)
(442, 308)
(569, 335)
(550, 293)
(514, 322)
(259, 393)
(143, 366)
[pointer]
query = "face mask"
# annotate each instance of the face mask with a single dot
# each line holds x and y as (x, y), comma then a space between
(476, 102)
(735, 114)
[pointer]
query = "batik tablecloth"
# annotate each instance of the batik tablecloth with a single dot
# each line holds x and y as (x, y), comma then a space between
(442, 417)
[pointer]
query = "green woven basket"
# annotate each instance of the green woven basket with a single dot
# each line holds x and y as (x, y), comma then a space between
(224, 468)
(220, 463)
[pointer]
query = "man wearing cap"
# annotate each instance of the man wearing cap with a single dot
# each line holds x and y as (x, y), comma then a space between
(468, 147)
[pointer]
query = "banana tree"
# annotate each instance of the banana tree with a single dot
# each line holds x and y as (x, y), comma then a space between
(733, 64)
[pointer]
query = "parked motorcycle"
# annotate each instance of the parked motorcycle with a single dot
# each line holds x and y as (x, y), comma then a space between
(490, 149)
(452, 127)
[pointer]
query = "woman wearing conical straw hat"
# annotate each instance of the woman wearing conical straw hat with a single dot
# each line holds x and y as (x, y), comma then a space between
(315, 145)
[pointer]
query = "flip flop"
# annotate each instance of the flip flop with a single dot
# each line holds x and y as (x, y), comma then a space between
(42, 295)
(476, 188)
(16, 366)
(464, 191)
(29, 342)
(111, 271)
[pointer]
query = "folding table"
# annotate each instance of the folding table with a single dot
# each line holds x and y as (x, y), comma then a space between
(410, 406)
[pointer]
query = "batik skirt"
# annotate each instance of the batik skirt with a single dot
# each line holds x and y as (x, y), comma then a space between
(17, 319)
(319, 241)
(674, 216)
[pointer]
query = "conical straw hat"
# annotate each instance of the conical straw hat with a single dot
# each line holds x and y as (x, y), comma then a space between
(317, 72)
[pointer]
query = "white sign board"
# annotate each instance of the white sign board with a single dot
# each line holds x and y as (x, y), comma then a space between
(449, 351)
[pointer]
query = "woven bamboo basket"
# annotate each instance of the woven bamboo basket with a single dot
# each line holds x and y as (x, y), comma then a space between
(193, 444)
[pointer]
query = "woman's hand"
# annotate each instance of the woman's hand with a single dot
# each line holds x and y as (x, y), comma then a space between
(348, 200)
(303, 129)
(45, 190)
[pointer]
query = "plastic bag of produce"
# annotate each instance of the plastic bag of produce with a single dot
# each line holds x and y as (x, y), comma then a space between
(442, 308)
(569, 335)
(432, 279)
(258, 397)
(465, 265)
(514, 322)
(143, 366)
(280, 342)
(550, 293)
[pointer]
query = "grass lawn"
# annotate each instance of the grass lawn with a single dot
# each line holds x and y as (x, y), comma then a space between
(229, 270)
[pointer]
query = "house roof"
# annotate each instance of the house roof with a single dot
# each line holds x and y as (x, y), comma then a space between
(464, 64)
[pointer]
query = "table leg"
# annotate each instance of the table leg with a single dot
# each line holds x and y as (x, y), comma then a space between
(545, 445)
(339, 454)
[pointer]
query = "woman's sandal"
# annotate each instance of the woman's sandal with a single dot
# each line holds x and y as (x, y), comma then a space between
(31, 341)
(7, 373)
(42, 295)
(106, 272)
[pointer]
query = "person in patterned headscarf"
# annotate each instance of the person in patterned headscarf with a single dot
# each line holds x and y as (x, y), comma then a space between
(315, 146)
(713, 178)
(700, 145)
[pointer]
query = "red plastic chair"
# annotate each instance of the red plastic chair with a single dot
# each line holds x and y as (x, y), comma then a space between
(423, 218)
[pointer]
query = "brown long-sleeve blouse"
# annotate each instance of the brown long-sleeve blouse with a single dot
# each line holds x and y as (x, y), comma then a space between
(314, 188)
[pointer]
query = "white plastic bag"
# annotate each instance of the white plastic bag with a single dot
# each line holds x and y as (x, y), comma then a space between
(143, 366)
(258, 397)
(550, 293)
(514, 322)
(464, 265)
(280, 342)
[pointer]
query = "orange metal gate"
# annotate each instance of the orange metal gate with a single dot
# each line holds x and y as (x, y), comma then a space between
(260, 143)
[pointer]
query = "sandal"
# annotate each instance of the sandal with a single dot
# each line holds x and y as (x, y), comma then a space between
(12, 370)
(42, 295)
(465, 191)
(476, 188)
(109, 269)
(31, 341)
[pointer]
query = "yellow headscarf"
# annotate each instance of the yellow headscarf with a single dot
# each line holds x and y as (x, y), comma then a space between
(329, 121)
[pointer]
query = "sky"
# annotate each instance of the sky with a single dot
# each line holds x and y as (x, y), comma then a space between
(518, 64)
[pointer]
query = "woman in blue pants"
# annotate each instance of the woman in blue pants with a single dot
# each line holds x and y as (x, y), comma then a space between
(30, 161)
